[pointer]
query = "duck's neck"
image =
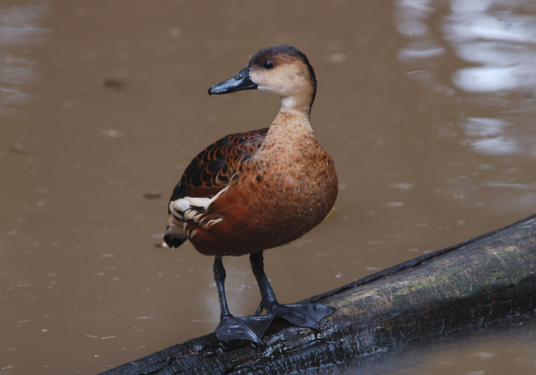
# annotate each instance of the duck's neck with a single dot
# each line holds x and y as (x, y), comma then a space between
(290, 122)
(287, 136)
(290, 104)
(299, 101)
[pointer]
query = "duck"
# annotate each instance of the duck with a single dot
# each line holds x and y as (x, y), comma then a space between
(253, 191)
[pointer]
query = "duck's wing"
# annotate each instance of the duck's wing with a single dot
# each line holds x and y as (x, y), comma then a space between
(207, 175)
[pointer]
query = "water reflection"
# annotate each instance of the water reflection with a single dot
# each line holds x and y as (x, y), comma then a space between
(479, 55)
(495, 41)
(490, 135)
(19, 26)
(501, 43)
(487, 33)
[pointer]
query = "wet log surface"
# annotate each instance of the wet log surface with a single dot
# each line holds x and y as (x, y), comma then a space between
(482, 282)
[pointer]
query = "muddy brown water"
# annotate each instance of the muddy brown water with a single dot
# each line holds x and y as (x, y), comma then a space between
(427, 107)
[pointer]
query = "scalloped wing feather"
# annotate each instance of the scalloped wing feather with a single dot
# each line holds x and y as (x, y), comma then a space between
(206, 176)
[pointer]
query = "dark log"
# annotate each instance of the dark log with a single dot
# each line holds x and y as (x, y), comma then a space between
(471, 286)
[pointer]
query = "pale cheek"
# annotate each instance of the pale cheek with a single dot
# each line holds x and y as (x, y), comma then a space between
(275, 86)
(282, 87)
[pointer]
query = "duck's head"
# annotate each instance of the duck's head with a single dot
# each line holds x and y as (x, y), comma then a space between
(283, 70)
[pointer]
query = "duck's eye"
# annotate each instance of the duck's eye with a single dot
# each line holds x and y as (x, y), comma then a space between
(268, 65)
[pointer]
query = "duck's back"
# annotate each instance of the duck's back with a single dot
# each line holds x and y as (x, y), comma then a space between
(211, 170)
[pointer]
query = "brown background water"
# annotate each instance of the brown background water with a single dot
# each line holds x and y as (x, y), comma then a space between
(427, 107)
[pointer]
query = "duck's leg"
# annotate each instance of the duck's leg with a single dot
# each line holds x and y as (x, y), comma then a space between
(233, 328)
(299, 314)
(259, 309)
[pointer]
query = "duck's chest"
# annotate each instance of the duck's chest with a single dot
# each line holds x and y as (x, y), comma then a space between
(294, 173)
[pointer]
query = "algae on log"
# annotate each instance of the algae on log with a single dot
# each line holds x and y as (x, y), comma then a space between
(483, 281)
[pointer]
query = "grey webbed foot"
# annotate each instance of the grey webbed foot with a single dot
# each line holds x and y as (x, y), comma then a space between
(251, 328)
(302, 314)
